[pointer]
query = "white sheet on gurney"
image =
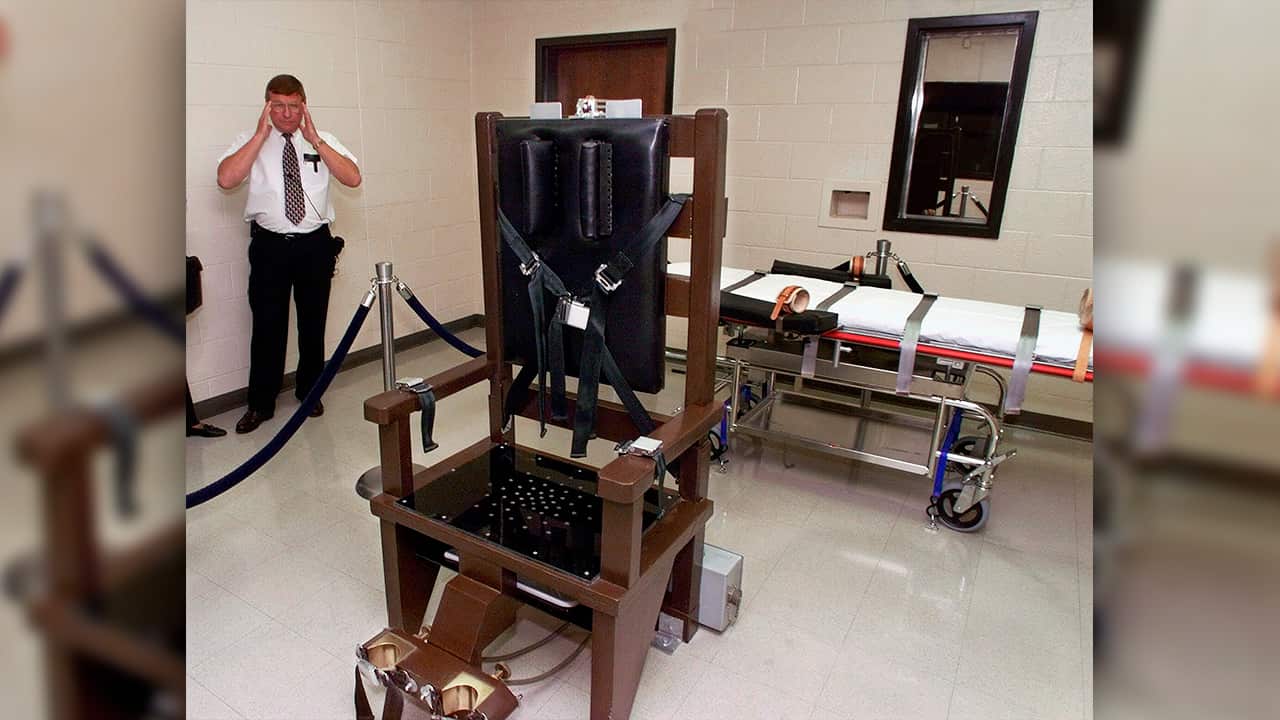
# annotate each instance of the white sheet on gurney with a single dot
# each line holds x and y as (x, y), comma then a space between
(1228, 318)
(986, 327)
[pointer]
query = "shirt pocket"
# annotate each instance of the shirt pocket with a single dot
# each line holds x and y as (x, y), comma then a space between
(315, 174)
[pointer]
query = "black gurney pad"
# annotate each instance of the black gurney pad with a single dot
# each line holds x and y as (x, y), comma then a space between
(839, 274)
(578, 190)
(749, 311)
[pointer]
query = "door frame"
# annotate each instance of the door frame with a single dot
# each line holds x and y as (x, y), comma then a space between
(544, 48)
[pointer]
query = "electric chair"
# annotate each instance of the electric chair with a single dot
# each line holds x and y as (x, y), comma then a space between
(574, 215)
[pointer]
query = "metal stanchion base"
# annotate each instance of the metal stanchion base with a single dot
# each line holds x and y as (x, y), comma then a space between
(370, 483)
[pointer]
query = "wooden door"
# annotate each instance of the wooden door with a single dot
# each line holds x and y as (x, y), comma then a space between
(616, 66)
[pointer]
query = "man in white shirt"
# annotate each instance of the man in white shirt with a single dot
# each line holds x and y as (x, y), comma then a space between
(288, 163)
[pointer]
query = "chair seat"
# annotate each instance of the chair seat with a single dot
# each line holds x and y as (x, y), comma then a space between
(537, 505)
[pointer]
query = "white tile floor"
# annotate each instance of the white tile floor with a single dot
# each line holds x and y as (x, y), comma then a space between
(851, 608)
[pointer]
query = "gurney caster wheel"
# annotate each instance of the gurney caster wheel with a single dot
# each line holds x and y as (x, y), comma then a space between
(971, 520)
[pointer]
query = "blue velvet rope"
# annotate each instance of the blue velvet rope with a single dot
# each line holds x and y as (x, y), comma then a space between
(140, 303)
(275, 444)
(9, 278)
(441, 330)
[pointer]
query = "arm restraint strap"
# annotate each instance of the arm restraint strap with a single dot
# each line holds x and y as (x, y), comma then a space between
(910, 340)
(427, 399)
(123, 429)
(837, 296)
(1022, 360)
(595, 353)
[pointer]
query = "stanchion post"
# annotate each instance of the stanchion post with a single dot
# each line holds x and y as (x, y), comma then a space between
(51, 224)
(386, 280)
(882, 256)
(369, 484)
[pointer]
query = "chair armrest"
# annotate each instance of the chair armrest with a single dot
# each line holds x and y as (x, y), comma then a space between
(626, 479)
(76, 433)
(394, 405)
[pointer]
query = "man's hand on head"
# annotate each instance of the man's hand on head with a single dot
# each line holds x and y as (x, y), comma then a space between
(309, 131)
(264, 121)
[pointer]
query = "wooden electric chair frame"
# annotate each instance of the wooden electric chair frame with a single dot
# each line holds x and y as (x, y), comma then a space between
(77, 645)
(641, 571)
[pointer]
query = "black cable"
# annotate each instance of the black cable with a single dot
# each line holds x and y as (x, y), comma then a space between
(527, 649)
(559, 666)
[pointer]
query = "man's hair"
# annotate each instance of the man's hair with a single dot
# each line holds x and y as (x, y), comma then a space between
(285, 85)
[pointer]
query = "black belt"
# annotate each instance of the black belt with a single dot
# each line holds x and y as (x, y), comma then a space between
(256, 230)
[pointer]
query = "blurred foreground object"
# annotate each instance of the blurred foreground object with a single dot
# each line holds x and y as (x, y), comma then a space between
(1187, 559)
(112, 620)
(106, 590)
(91, 114)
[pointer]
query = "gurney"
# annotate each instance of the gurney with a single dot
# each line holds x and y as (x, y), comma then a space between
(881, 358)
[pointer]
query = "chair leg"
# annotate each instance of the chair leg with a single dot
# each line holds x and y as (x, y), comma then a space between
(409, 581)
(619, 645)
(686, 586)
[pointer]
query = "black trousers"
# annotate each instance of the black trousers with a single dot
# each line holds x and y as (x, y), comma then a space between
(279, 264)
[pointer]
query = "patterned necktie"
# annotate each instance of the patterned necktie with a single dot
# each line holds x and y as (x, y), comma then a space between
(294, 207)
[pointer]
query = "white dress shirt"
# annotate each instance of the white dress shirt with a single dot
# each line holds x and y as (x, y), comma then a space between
(265, 205)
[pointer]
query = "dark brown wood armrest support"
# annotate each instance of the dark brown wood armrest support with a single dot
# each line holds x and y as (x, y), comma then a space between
(625, 479)
(392, 405)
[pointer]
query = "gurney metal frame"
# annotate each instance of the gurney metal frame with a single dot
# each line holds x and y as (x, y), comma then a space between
(844, 376)
(943, 384)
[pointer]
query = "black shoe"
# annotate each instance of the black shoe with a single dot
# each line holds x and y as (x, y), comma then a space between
(205, 430)
(250, 421)
(318, 410)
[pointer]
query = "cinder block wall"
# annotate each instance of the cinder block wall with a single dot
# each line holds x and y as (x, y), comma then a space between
(393, 81)
(810, 85)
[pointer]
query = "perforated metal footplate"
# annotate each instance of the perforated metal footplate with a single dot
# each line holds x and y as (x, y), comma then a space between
(538, 506)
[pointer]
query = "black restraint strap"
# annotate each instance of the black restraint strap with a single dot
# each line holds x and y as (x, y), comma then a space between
(596, 357)
(837, 296)
(542, 280)
(595, 353)
(123, 428)
(743, 282)
(427, 399)
(641, 243)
